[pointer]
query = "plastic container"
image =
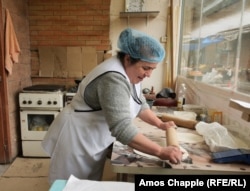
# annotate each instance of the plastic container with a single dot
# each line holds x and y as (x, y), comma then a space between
(181, 96)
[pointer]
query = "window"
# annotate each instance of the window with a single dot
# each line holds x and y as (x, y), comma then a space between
(215, 43)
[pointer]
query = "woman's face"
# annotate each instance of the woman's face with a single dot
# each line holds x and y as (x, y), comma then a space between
(138, 71)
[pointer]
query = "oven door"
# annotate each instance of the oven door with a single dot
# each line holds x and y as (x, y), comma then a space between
(35, 123)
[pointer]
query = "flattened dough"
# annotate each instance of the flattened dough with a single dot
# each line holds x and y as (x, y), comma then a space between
(189, 138)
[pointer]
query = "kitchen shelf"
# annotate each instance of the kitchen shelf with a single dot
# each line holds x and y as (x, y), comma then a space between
(142, 14)
(244, 107)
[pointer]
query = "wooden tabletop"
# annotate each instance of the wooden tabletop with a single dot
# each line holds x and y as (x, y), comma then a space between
(125, 161)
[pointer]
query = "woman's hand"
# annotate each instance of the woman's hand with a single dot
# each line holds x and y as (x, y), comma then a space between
(165, 125)
(171, 153)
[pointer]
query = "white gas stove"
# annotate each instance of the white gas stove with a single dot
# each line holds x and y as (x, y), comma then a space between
(39, 105)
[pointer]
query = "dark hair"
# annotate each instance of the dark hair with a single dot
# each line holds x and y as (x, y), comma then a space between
(121, 56)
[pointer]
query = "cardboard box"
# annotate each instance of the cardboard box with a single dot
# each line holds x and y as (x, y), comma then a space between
(72, 62)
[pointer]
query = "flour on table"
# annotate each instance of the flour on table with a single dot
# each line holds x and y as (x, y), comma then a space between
(189, 138)
(184, 154)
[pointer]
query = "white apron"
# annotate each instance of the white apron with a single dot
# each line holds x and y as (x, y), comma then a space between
(78, 138)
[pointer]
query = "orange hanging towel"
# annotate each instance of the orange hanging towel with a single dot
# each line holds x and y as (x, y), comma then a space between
(12, 49)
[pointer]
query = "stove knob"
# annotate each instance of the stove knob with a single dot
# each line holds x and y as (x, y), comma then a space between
(49, 103)
(54, 102)
(29, 102)
(39, 102)
(24, 102)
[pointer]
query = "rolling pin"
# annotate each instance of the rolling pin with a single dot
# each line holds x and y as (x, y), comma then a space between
(179, 121)
(172, 140)
(171, 137)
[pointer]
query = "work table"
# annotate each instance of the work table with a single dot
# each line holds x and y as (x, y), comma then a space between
(125, 161)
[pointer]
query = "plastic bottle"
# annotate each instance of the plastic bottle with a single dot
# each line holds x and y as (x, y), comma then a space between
(181, 96)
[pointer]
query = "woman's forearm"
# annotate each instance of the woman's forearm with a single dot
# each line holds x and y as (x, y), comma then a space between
(149, 117)
(143, 144)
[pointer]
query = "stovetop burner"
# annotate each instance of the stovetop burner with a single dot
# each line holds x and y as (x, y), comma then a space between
(44, 87)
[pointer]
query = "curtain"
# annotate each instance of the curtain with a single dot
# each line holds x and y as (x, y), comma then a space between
(170, 69)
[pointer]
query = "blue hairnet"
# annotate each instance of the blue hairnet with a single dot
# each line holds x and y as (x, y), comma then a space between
(140, 46)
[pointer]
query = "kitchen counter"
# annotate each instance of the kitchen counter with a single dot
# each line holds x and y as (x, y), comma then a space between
(126, 162)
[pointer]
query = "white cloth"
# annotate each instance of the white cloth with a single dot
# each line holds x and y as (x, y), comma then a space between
(12, 49)
(218, 138)
(75, 184)
(77, 141)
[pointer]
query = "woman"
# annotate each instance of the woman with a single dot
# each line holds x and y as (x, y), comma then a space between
(102, 111)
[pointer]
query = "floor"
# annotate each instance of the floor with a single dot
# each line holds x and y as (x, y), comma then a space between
(3, 168)
(29, 174)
